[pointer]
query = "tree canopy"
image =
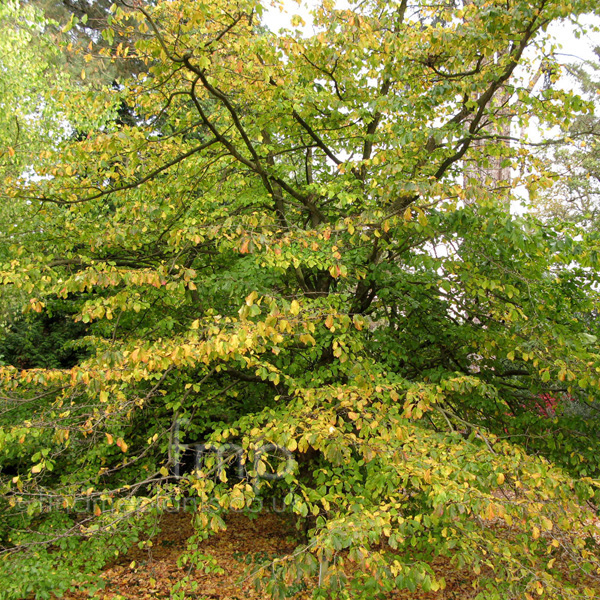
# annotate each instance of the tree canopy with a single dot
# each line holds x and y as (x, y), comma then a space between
(271, 241)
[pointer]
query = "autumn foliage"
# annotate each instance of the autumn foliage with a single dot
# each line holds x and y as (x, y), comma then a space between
(271, 240)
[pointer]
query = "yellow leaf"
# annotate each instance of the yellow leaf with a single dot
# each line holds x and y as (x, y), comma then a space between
(539, 588)
(500, 478)
(407, 214)
(109, 438)
(97, 510)
(294, 307)
(164, 471)
(251, 298)
(536, 533)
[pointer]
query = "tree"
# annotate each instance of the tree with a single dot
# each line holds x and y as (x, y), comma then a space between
(278, 253)
(82, 27)
(570, 199)
(34, 83)
(574, 195)
(29, 117)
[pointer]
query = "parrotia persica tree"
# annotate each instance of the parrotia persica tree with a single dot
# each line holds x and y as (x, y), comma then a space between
(279, 249)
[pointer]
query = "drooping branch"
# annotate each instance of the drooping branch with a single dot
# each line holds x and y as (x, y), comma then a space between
(128, 186)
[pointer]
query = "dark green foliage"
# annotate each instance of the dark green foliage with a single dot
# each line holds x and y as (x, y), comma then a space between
(48, 340)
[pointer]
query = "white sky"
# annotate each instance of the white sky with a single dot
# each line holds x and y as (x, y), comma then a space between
(574, 49)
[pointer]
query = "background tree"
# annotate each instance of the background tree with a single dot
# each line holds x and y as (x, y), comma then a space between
(83, 29)
(32, 119)
(574, 197)
(278, 250)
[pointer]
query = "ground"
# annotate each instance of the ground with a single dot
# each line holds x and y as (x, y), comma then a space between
(149, 573)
